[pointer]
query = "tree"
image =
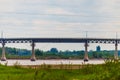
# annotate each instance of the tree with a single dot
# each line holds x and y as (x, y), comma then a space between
(38, 52)
(54, 50)
(95, 54)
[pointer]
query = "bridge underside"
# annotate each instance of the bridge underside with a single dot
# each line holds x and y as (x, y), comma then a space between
(87, 41)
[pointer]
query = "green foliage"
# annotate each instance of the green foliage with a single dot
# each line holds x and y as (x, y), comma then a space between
(38, 52)
(101, 54)
(108, 71)
(54, 50)
(53, 53)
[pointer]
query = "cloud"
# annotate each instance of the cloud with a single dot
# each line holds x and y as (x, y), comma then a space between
(10, 21)
(7, 5)
(69, 16)
(61, 29)
(57, 10)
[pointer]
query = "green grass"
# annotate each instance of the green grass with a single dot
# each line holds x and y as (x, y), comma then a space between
(108, 71)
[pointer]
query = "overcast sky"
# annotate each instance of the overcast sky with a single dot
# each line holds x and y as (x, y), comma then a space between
(60, 18)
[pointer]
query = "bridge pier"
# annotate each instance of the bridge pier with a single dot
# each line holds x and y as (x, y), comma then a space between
(33, 58)
(3, 58)
(116, 51)
(86, 52)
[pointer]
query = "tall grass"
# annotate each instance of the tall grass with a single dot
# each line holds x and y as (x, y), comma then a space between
(108, 71)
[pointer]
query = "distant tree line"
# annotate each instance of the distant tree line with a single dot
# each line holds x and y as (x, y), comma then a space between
(54, 53)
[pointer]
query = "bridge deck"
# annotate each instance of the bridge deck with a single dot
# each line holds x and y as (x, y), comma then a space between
(59, 40)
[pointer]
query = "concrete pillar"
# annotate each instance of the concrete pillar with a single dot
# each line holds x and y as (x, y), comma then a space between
(33, 58)
(3, 58)
(116, 51)
(86, 52)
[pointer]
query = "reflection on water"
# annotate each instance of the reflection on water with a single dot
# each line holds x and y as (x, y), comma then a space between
(39, 62)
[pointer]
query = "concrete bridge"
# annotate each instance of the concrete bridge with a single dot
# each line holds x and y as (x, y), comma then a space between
(32, 41)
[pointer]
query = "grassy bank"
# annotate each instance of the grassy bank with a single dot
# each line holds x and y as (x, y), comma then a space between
(108, 71)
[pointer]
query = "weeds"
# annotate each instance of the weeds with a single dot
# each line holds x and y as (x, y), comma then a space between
(108, 71)
(17, 65)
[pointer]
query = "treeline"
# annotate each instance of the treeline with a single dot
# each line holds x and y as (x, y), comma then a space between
(54, 53)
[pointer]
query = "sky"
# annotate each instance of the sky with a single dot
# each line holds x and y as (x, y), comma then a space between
(60, 18)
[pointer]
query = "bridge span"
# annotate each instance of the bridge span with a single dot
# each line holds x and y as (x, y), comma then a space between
(86, 41)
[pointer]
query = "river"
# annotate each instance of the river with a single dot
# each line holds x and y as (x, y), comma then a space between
(51, 62)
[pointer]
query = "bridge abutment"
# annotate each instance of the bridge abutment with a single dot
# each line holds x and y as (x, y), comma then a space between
(3, 58)
(33, 58)
(86, 52)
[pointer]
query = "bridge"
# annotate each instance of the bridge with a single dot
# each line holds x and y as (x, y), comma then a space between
(32, 41)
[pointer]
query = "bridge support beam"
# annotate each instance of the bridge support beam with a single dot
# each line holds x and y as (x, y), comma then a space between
(116, 51)
(86, 52)
(3, 58)
(33, 58)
